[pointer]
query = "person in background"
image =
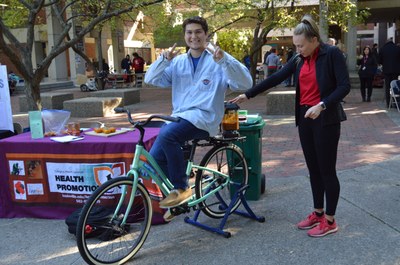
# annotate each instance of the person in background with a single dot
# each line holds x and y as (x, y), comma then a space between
(106, 67)
(137, 63)
(389, 58)
(126, 64)
(374, 51)
(199, 79)
(273, 62)
(246, 61)
(265, 65)
(13, 80)
(322, 81)
(368, 65)
(290, 81)
(331, 42)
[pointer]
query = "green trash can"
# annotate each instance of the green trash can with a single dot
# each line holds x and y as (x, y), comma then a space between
(252, 149)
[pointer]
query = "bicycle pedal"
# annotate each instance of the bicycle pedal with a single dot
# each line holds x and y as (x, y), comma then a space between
(168, 216)
(183, 208)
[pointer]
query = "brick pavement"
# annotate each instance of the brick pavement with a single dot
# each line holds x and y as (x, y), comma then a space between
(368, 136)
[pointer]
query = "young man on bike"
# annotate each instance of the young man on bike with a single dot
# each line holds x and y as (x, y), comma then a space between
(199, 80)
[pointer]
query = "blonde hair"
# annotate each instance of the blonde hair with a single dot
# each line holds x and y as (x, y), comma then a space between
(308, 27)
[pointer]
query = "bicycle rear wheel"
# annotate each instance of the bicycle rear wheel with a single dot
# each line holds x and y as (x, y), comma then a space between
(230, 161)
(108, 241)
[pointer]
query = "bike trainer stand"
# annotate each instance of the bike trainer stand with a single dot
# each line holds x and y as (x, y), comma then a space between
(219, 230)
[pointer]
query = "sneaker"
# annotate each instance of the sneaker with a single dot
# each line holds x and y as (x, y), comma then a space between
(323, 229)
(176, 197)
(312, 220)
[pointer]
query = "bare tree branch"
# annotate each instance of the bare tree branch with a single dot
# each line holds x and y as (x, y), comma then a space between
(228, 24)
(63, 10)
(21, 54)
(12, 55)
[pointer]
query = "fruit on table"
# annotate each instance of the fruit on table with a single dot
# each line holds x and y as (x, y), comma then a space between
(105, 130)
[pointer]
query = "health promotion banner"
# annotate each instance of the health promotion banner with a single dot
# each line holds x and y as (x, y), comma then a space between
(6, 122)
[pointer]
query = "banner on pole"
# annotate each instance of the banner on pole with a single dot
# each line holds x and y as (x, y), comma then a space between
(6, 121)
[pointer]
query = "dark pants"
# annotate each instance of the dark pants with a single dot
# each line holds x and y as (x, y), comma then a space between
(272, 70)
(389, 78)
(366, 83)
(168, 153)
(320, 145)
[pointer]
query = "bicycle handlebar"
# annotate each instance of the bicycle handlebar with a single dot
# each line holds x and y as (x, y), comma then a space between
(131, 121)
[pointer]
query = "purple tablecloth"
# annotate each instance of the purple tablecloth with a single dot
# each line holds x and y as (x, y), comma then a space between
(31, 184)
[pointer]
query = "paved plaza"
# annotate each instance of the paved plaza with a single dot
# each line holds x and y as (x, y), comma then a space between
(368, 211)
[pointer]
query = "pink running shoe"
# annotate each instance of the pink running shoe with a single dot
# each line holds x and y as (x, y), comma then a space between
(312, 220)
(323, 229)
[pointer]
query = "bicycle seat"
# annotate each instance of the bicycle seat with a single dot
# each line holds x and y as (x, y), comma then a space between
(227, 138)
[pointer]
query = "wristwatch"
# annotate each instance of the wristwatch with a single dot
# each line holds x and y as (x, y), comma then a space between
(322, 104)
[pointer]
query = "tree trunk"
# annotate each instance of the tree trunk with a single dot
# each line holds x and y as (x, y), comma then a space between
(100, 59)
(253, 67)
(32, 92)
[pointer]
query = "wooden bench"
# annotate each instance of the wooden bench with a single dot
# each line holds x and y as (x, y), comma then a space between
(281, 102)
(92, 106)
(50, 100)
(129, 95)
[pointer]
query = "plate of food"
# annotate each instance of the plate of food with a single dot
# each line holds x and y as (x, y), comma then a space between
(105, 131)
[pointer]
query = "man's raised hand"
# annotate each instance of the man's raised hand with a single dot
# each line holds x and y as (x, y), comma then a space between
(217, 52)
(171, 53)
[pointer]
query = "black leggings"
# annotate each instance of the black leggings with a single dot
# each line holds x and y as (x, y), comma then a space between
(366, 83)
(320, 145)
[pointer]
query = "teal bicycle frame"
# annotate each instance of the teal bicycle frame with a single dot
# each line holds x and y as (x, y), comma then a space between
(145, 165)
(143, 158)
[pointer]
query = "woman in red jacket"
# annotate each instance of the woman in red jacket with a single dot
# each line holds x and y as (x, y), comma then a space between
(322, 81)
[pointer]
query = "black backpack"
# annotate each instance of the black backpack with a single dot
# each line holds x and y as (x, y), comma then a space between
(99, 215)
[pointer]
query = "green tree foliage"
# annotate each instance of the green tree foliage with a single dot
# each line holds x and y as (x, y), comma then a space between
(166, 30)
(262, 16)
(236, 42)
(165, 33)
(258, 16)
(14, 14)
(341, 12)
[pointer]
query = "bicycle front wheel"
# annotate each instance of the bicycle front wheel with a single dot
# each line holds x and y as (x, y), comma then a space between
(228, 160)
(108, 240)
